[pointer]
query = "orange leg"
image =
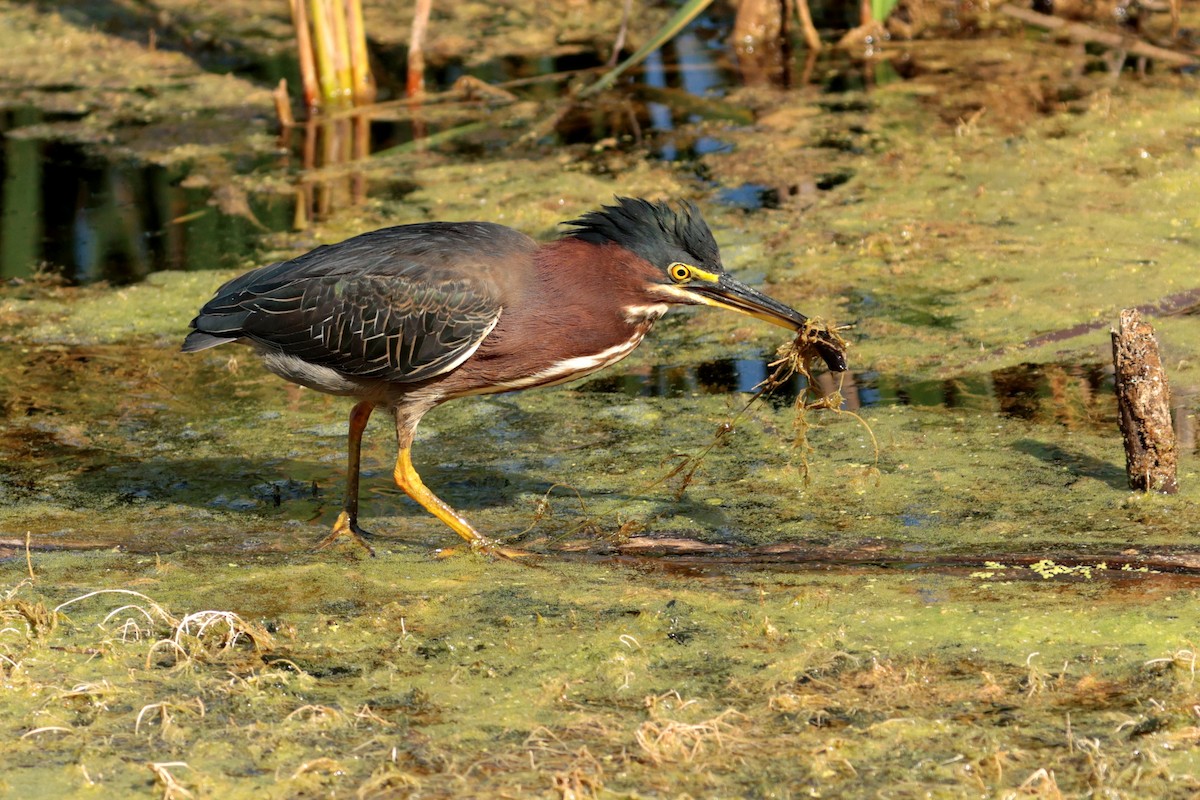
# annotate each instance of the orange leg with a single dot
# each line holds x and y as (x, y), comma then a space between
(347, 521)
(407, 479)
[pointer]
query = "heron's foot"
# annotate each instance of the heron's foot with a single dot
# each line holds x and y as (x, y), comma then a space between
(488, 547)
(347, 526)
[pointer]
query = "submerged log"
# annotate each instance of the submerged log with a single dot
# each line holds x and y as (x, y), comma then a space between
(1078, 32)
(1144, 402)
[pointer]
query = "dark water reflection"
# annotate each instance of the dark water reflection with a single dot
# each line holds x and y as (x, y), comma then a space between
(1075, 395)
(91, 219)
(70, 210)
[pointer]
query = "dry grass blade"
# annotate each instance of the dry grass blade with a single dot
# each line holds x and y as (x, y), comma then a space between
(666, 740)
(223, 630)
(47, 729)
(389, 781)
(1040, 784)
(155, 612)
(575, 772)
(582, 779)
(172, 789)
(1184, 658)
(204, 634)
(317, 715)
(322, 764)
(37, 618)
(164, 709)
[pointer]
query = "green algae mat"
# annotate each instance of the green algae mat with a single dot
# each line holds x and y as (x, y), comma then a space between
(951, 594)
(403, 676)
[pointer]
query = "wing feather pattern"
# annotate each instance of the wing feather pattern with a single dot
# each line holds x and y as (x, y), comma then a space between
(401, 304)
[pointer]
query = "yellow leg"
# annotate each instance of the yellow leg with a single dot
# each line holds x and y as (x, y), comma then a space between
(347, 521)
(408, 480)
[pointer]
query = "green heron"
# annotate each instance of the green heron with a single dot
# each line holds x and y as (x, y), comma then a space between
(411, 316)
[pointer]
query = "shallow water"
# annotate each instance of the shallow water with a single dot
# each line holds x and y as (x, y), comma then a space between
(952, 593)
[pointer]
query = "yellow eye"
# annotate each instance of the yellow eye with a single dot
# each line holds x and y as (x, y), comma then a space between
(679, 272)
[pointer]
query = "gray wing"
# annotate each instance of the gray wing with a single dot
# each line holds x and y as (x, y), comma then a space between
(400, 304)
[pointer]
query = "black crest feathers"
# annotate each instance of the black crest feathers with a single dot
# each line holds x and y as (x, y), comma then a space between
(657, 232)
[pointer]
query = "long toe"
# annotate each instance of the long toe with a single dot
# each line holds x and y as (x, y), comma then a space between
(347, 527)
(493, 549)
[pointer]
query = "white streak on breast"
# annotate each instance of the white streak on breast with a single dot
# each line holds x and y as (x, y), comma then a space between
(571, 368)
(639, 315)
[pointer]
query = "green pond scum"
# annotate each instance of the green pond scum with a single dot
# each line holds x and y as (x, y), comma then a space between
(958, 598)
(408, 676)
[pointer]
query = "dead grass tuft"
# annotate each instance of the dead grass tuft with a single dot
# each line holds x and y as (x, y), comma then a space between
(389, 781)
(666, 740)
(318, 716)
(133, 621)
(1041, 783)
(38, 619)
(582, 779)
(172, 789)
(165, 712)
(323, 764)
(808, 709)
(575, 773)
(1182, 659)
(206, 635)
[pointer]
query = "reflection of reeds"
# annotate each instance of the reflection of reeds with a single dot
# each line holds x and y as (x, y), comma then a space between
(331, 41)
(330, 149)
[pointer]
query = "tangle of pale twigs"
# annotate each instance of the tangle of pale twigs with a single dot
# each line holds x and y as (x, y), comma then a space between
(791, 358)
(795, 358)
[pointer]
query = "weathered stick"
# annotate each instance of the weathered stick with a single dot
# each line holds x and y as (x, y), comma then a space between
(1079, 32)
(1144, 402)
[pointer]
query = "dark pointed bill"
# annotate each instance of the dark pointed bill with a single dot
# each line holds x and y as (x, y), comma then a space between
(737, 296)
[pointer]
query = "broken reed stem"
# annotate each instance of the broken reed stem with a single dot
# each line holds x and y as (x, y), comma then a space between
(304, 51)
(1144, 403)
(331, 44)
(865, 15)
(1078, 32)
(332, 41)
(622, 32)
(415, 82)
(283, 105)
(362, 81)
(323, 47)
(342, 73)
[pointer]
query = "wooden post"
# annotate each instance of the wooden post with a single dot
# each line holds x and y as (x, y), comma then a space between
(1144, 402)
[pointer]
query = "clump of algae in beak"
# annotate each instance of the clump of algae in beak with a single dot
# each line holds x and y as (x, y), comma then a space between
(796, 358)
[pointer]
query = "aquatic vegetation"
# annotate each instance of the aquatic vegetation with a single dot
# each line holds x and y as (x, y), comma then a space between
(966, 600)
